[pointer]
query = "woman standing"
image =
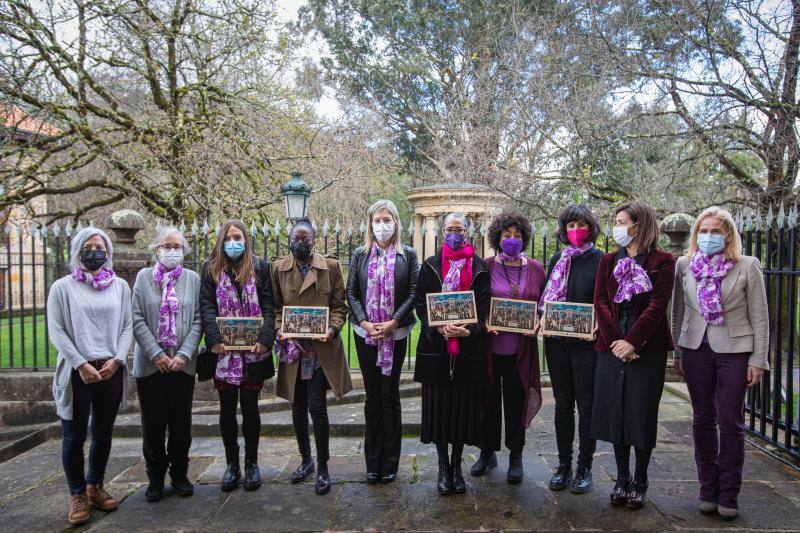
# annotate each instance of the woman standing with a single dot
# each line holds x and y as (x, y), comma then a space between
(572, 274)
(720, 317)
(380, 292)
(451, 360)
(308, 368)
(89, 320)
(512, 358)
(167, 329)
(631, 294)
(236, 283)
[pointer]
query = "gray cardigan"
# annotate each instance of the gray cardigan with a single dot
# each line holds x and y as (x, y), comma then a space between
(146, 305)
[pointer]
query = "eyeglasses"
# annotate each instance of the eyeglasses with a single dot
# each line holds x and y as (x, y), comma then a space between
(455, 231)
(171, 247)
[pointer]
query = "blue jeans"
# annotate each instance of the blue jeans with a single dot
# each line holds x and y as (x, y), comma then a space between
(103, 400)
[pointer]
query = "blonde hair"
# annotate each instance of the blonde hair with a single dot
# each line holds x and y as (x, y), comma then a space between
(389, 206)
(733, 241)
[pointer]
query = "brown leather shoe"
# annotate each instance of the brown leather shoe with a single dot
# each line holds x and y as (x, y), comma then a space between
(101, 499)
(79, 512)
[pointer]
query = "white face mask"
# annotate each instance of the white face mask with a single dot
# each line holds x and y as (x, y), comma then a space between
(170, 258)
(621, 236)
(383, 231)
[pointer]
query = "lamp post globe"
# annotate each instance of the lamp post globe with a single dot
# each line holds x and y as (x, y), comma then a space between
(296, 193)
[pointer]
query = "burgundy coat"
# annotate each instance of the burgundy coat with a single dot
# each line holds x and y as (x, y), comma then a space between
(650, 331)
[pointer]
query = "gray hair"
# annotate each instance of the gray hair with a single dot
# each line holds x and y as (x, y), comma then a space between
(80, 239)
(162, 234)
(455, 215)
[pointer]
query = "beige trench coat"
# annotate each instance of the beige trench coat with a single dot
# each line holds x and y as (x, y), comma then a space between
(323, 287)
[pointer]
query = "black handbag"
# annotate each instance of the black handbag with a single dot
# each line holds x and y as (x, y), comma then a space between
(261, 370)
(206, 364)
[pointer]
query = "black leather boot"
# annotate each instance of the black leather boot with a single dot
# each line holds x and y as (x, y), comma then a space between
(181, 484)
(619, 496)
(515, 471)
(233, 474)
(485, 461)
(583, 481)
(459, 485)
(252, 475)
(561, 477)
(323, 485)
(445, 482)
(305, 469)
(636, 496)
(155, 489)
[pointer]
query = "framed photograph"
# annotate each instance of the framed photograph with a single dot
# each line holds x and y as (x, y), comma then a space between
(239, 334)
(565, 319)
(514, 316)
(451, 308)
(301, 322)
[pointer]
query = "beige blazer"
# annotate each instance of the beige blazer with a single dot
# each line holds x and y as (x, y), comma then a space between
(744, 302)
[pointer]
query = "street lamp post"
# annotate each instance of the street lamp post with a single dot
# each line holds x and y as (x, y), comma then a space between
(296, 193)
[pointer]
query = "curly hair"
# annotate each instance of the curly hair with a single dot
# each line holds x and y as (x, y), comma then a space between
(505, 220)
(573, 213)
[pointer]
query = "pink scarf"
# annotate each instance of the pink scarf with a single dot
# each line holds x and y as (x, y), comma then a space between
(170, 306)
(380, 302)
(709, 273)
(101, 281)
(230, 366)
(556, 289)
(457, 272)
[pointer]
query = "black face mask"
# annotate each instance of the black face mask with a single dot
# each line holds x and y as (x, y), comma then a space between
(301, 250)
(93, 259)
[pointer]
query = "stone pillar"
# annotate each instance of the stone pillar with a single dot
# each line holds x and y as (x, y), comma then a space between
(677, 227)
(430, 236)
(418, 222)
(128, 259)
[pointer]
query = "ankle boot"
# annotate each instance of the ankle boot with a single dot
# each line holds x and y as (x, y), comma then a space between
(486, 460)
(459, 485)
(445, 482)
(155, 488)
(252, 475)
(230, 480)
(515, 471)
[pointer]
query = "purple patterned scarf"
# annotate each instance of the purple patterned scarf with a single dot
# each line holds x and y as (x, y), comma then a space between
(631, 279)
(170, 306)
(101, 281)
(709, 273)
(380, 301)
(289, 350)
(230, 366)
(556, 289)
(505, 258)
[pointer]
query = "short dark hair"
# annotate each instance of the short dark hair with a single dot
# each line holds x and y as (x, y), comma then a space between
(305, 222)
(505, 220)
(574, 213)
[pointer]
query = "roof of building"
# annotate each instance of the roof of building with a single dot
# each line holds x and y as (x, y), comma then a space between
(25, 125)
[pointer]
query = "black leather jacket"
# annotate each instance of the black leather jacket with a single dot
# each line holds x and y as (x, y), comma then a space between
(406, 270)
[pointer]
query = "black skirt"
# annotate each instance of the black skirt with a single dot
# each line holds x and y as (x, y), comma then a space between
(451, 414)
(627, 398)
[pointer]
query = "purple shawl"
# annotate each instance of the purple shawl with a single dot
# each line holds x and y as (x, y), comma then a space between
(709, 273)
(380, 302)
(556, 289)
(631, 279)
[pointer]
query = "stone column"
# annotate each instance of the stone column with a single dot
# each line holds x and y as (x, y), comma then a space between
(430, 235)
(128, 259)
(418, 222)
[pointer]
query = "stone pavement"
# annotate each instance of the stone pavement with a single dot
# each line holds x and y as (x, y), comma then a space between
(35, 496)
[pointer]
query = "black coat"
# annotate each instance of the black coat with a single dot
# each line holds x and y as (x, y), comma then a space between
(406, 271)
(582, 275)
(209, 310)
(433, 362)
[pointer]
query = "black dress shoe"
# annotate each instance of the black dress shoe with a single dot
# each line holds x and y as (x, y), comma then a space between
(252, 475)
(445, 483)
(515, 471)
(305, 469)
(373, 477)
(155, 490)
(323, 485)
(485, 461)
(619, 495)
(636, 496)
(182, 486)
(388, 478)
(459, 485)
(232, 476)
(561, 478)
(583, 481)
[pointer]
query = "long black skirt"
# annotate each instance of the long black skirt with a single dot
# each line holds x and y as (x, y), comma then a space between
(451, 414)
(626, 399)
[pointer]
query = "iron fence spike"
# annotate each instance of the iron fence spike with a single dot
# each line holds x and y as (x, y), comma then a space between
(781, 216)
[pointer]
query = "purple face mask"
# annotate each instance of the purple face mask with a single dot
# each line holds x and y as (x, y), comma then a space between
(454, 240)
(511, 246)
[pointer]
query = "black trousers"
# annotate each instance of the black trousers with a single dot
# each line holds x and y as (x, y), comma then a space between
(166, 404)
(507, 395)
(251, 421)
(571, 365)
(309, 397)
(382, 412)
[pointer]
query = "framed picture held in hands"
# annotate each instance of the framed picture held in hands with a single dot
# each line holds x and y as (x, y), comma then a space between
(565, 319)
(303, 322)
(513, 316)
(239, 333)
(451, 308)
